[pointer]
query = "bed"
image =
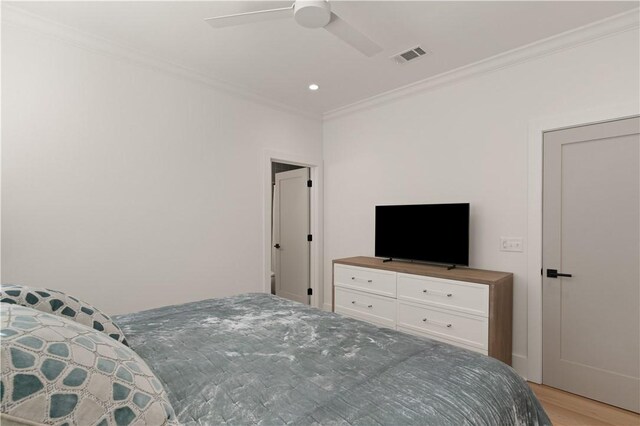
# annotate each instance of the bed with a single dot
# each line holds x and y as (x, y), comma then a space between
(261, 359)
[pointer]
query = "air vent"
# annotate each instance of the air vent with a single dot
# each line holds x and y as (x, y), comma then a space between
(409, 55)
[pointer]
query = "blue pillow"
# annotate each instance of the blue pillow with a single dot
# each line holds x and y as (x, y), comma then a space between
(56, 371)
(58, 303)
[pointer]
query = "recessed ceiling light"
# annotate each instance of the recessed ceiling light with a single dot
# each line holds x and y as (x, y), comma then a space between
(313, 87)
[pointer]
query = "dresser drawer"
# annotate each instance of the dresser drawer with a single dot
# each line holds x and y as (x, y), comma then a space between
(369, 307)
(468, 330)
(456, 295)
(370, 280)
(441, 339)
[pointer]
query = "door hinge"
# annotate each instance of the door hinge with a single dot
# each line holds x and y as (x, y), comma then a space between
(309, 237)
(309, 292)
(309, 183)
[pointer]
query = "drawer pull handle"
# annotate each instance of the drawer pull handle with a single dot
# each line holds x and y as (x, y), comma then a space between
(441, 324)
(361, 279)
(368, 306)
(437, 293)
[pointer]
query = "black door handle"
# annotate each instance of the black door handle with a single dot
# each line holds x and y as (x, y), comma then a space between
(277, 246)
(553, 273)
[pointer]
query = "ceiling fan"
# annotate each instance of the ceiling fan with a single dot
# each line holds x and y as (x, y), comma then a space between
(309, 14)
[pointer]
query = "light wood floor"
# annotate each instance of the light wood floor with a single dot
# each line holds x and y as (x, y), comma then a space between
(567, 409)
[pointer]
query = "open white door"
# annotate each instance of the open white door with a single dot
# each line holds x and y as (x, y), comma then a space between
(290, 232)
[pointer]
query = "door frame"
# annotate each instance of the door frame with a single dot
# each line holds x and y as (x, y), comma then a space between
(537, 128)
(315, 220)
(300, 175)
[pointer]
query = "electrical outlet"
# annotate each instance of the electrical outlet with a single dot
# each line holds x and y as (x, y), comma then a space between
(511, 244)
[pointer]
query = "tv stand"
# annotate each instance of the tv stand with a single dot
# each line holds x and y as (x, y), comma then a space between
(467, 307)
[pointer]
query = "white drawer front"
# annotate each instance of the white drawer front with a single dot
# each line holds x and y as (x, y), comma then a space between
(369, 307)
(457, 295)
(370, 280)
(469, 330)
(440, 339)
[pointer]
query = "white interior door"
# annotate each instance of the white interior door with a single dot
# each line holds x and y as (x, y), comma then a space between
(591, 231)
(290, 230)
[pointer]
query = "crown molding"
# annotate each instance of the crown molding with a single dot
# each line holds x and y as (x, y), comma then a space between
(16, 16)
(626, 21)
(616, 24)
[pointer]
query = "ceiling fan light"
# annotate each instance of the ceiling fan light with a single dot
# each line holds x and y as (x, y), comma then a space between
(313, 87)
(312, 13)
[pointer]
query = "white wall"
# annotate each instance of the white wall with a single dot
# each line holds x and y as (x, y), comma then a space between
(128, 186)
(134, 188)
(466, 142)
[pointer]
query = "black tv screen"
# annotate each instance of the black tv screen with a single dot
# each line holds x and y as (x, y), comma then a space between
(434, 233)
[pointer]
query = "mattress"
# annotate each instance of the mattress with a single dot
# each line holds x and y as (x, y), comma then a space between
(261, 359)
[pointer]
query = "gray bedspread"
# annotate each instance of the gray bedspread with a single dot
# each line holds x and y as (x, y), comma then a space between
(260, 359)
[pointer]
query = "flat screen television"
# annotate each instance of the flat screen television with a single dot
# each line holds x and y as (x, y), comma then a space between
(432, 233)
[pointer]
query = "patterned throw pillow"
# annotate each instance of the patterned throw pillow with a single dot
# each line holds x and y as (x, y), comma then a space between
(56, 371)
(58, 303)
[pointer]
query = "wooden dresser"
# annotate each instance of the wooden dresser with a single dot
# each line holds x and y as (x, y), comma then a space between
(471, 308)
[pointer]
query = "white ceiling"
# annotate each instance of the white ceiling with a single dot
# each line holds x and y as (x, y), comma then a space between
(279, 59)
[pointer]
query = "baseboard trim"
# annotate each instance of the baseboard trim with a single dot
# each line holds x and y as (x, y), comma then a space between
(519, 363)
(326, 307)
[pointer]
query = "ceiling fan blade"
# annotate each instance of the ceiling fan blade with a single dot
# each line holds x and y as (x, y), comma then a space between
(345, 32)
(250, 17)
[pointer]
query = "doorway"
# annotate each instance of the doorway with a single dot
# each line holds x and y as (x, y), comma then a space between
(290, 232)
(590, 252)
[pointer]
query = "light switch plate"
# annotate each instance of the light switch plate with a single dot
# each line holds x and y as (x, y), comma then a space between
(511, 244)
